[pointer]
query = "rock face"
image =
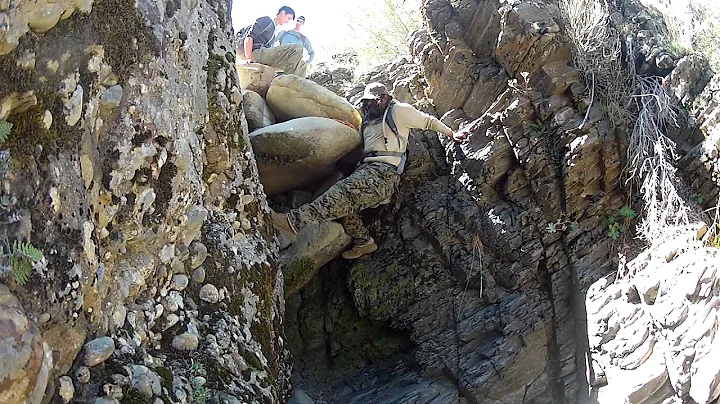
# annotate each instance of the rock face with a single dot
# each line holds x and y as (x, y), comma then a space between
(650, 334)
(295, 153)
(291, 97)
(26, 359)
(131, 165)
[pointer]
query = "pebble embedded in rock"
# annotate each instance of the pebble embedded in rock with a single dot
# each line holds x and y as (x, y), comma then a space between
(172, 303)
(113, 390)
(83, 374)
(198, 381)
(44, 318)
(66, 389)
(179, 282)
(106, 400)
(145, 381)
(172, 319)
(74, 106)
(209, 293)
(199, 275)
(185, 342)
(98, 350)
(180, 394)
(199, 254)
(111, 97)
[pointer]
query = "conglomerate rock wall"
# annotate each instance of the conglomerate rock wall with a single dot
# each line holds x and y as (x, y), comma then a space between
(130, 169)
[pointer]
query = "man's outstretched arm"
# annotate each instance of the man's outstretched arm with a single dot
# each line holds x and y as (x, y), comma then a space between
(420, 120)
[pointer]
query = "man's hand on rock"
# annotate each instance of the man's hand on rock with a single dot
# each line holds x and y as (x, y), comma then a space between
(458, 136)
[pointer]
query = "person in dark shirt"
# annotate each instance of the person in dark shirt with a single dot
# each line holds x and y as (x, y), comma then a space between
(258, 45)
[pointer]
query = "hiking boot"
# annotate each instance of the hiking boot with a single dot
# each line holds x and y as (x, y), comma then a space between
(282, 223)
(359, 250)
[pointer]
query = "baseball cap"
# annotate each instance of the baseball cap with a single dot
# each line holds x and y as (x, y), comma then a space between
(374, 91)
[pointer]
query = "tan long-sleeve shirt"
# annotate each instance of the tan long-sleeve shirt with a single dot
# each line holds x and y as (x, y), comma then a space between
(406, 117)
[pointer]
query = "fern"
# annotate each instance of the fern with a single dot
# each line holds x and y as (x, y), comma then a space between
(5, 128)
(21, 270)
(28, 251)
(22, 257)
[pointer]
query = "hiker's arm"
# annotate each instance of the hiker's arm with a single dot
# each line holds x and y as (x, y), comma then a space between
(420, 120)
(310, 51)
(248, 45)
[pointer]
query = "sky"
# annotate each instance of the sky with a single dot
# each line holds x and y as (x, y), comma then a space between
(327, 23)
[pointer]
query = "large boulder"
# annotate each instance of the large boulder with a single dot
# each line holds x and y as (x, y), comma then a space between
(26, 360)
(257, 112)
(292, 97)
(255, 77)
(293, 154)
(314, 247)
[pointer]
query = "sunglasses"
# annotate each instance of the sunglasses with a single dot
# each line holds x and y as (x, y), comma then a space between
(369, 103)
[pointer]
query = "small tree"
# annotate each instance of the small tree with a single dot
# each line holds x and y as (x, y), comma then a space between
(381, 29)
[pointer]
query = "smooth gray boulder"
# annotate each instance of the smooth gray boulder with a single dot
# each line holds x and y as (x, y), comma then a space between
(296, 153)
(290, 96)
(257, 112)
(314, 247)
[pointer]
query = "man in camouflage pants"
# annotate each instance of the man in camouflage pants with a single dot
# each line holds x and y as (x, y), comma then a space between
(376, 179)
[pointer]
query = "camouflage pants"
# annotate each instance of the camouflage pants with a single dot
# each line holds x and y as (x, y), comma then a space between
(287, 57)
(368, 186)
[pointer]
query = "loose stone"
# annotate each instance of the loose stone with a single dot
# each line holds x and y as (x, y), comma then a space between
(98, 350)
(185, 342)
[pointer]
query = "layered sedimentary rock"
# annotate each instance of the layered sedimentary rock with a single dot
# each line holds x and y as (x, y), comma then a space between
(131, 171)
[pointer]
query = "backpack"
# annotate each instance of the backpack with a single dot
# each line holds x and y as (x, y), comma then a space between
(283, 33)
(243, 32)
(390, 121)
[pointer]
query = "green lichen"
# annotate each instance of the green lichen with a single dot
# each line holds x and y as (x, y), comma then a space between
(116, 25)
(166, 377)
(132, 396)
(297, 274)
(229, 127)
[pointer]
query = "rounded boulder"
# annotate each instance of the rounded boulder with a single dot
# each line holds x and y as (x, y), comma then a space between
(26, 359)
(257, 112)
(290, 97)
(296, 153)
(255, 77)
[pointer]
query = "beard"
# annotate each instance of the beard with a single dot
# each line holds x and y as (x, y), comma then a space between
(374, 112)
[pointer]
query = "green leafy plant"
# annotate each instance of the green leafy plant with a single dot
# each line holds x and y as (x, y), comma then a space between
(627, 212)
(21, 258)
(614, 230)
(198, 369)
(201, 395)
(5, 128)
(620, 222)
